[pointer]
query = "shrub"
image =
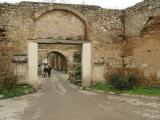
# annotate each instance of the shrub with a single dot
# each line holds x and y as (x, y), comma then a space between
(1, 81)
(78, 72)
(77, 60)
(123, 82)
(8, 82)
(77, 56)
(20, 89)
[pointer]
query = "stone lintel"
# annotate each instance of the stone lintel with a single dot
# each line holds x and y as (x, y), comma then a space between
(62, 41)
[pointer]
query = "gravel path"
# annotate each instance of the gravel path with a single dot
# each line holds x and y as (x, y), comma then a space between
(60, 100)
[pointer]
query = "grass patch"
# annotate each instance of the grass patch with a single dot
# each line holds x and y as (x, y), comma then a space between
(19, 90)
(148, 91)
(101, 86)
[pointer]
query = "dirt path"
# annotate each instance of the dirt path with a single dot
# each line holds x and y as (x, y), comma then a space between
(60, 100)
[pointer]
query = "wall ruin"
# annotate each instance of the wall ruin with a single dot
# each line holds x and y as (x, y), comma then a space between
(131, 34)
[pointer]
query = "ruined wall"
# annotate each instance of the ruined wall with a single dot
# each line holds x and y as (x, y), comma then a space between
(142, 28)
(131, 34)
(5, 51)
(104, 28)
(107, 42)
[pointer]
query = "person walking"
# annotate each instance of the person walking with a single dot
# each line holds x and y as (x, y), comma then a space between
(49, 71)
(45, 71)
(42, 70)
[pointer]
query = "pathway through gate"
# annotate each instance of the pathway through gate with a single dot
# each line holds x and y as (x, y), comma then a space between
(60, 100)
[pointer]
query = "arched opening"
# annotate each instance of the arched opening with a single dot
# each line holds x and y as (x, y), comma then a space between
(69, 13)
(57, 61)
(33, 63)
(59, 25)
(53, 60)
(59, 33)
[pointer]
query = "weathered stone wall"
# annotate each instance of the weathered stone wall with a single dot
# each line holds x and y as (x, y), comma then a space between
(131, 34)
(142, 30)
(136, 17)
(73, 22)
(5, 51)
(59, 25)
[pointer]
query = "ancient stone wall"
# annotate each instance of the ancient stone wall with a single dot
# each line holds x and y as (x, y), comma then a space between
(142, 30)
(5, 51)
(131, 34)
(70, 22)
(137, 16)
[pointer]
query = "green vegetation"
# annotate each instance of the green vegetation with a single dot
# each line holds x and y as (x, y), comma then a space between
(101, 86)
(9, 87)
(8, 82)
(148, 91)
(77, 56)
(78, 72)
(18, 90)
(123, 78)
(77, 60)
(123, 82)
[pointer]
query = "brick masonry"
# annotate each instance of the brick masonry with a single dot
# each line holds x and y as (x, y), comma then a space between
(131, 34)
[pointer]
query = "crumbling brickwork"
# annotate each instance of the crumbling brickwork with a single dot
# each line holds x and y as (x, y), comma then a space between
(142, 33)
(119, 37)
(5, 52)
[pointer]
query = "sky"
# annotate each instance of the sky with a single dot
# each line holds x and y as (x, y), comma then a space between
(111, 4)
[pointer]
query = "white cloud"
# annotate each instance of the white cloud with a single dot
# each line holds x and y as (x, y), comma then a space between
(119, 4)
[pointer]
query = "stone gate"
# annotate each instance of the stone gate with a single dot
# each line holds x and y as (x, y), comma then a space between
(114, 37)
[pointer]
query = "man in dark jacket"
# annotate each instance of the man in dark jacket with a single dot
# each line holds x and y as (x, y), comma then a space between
(49, 71)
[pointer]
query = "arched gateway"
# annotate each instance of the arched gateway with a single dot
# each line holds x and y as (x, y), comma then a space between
(61, 29)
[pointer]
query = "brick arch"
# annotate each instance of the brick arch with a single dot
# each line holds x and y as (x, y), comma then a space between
(59, 52)
(43, 11)
(63, 56)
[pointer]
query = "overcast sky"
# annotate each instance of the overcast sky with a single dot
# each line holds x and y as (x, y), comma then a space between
(117, 4)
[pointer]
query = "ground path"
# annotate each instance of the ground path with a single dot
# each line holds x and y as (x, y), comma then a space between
(60, 100)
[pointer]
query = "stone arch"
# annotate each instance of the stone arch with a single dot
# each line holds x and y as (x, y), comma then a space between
(45, 10)
(58, 51)
(53, 50)
(60, 61)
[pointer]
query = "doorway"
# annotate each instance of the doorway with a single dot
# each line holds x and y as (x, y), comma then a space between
(85, 62)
